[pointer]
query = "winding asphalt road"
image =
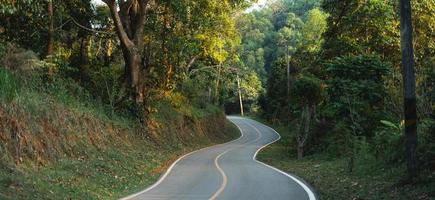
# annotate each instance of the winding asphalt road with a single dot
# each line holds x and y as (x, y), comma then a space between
(228, 171)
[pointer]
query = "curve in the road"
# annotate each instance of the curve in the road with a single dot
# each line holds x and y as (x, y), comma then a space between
(215, 173)
(224, 176)
(172, 166)
(310, 193)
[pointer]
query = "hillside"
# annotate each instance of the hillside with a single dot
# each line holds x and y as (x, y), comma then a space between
(62, 145)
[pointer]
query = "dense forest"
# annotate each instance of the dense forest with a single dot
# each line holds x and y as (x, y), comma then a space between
(330, 73)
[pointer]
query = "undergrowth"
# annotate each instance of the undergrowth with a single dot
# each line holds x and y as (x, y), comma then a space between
(58, 142)
(328, 174)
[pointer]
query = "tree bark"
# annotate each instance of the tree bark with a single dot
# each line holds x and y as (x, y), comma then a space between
(240, 95)
(217, 84)
(133, 62)
(129, 24)
(408, 88)
(300, 151)
(304, 130)
(50, 32)
(288, 91)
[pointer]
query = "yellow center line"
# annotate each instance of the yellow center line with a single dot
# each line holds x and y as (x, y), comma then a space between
(221, 171)
(224, 176)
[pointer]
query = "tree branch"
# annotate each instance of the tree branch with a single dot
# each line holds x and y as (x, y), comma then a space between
(89, 29)
(123, 37)
(191, 62)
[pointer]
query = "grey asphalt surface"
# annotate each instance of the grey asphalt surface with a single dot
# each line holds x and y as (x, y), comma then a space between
(227, 171)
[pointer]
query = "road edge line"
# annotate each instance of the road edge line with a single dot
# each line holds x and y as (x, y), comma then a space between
(308, 190)
(173, 165)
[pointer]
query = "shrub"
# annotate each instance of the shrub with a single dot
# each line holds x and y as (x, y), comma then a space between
(17, 59)
(426, 147)
(387, 144)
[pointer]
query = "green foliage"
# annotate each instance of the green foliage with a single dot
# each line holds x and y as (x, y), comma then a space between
(362, 27)
(276, 90)
(355, 90)
(307, 89)
(17, 59)
(387, 142)
(8, 85)
(193, 50)
(251, 86)
(426, 148)
(313, 29)
(106, 86)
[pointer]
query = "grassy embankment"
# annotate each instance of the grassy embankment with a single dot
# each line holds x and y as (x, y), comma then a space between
(58, 143)
(331, 180)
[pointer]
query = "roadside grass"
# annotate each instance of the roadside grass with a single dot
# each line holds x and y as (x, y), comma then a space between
(114, 171)
(331, 180)
(99, 174)
(59, 143)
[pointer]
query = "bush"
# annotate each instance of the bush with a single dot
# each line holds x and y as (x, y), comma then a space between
(338, 140)
(426, 146)
(387, 144)
(17, 59)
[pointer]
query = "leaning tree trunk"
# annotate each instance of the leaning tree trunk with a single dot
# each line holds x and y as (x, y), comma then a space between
(408, 88)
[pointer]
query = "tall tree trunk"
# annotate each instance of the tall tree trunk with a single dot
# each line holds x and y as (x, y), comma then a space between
(408, 88)
(240, 95)
(304, 130)
(83, 59)
(217, 84)
(288, 92)
(132, 74)
(300, 151)
(288, 74)
(50, 33)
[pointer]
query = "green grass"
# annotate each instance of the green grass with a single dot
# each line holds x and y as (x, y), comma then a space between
(93, 173)
(331, 180)
(121, 159)
(100, 176)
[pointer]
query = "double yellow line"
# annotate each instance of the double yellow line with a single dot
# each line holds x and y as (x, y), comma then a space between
(221, 171)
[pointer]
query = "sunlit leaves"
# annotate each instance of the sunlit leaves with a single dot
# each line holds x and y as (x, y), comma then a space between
(251, 86)
(12, 6)
(313, 30)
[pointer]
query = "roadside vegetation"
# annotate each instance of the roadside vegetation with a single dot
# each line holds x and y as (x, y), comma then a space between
(333, 75)
(80, 120)
(371, 178)
(59, 143)
(97, 98)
